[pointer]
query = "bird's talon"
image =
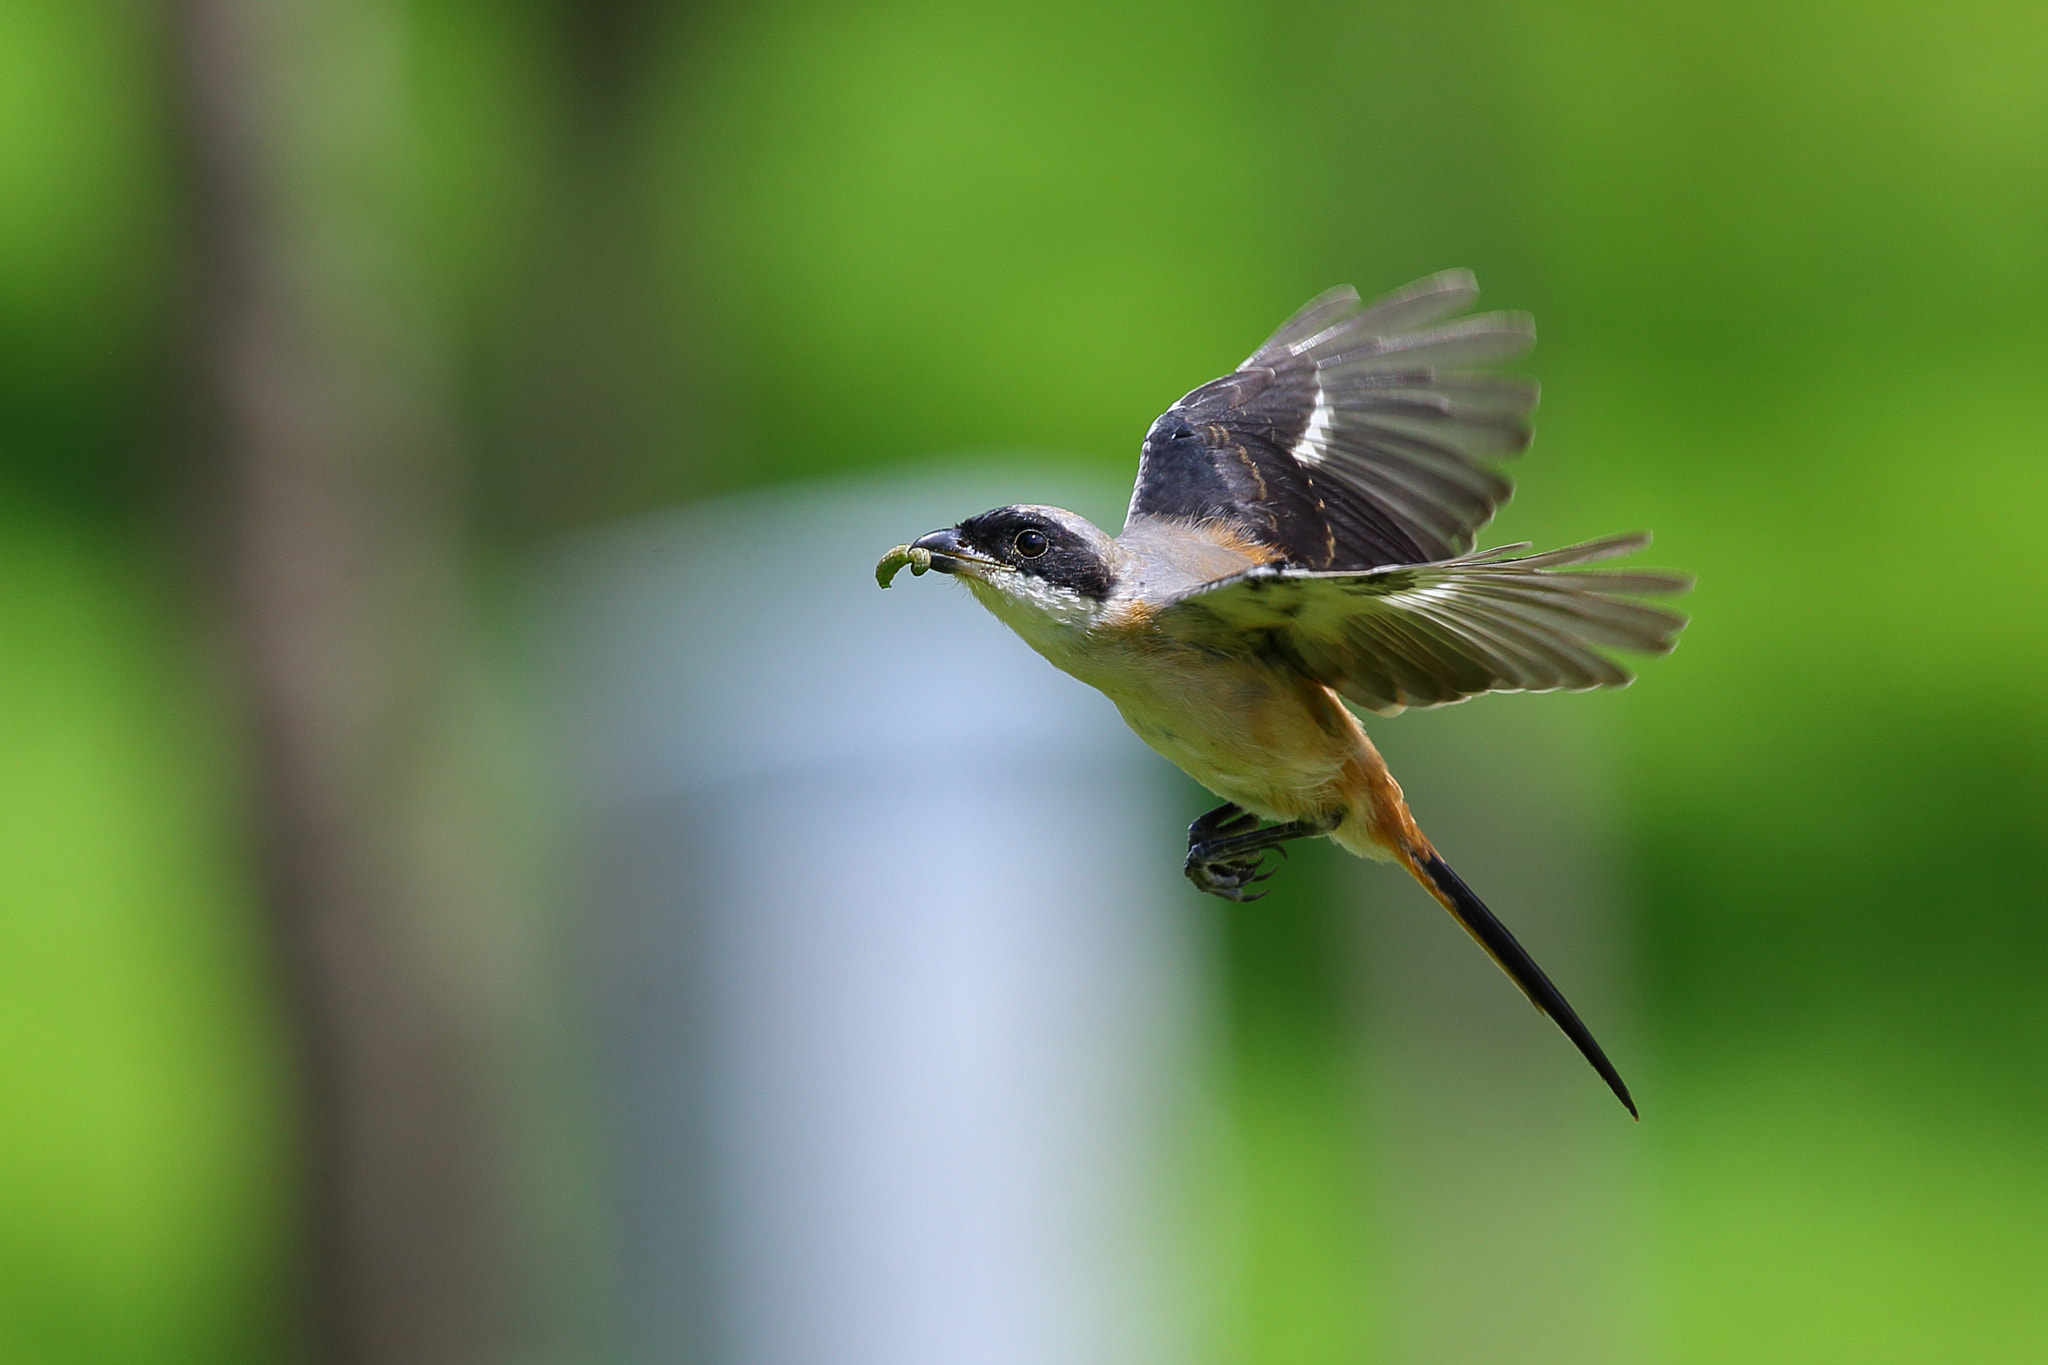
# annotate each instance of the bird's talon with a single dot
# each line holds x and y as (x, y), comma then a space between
(1229, 880)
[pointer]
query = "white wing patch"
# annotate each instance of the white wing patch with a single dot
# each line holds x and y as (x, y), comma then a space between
(1313, 447)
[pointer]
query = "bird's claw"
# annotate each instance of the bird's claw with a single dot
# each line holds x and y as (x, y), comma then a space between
(1230, 880)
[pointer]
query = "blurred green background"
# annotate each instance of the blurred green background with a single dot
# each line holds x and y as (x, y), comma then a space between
(1790, 266)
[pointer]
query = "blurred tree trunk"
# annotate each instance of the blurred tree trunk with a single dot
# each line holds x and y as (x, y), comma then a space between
(336, 542)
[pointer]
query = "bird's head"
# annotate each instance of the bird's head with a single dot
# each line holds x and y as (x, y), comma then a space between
(1043, 571)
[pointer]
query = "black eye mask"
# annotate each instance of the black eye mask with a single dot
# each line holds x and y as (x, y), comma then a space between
(1067, 561)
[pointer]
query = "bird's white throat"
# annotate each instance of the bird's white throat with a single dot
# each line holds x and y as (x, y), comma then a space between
(1051, 619)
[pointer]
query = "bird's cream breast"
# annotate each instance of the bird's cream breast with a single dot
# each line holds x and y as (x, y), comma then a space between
(1267, 738)
(1249, 728)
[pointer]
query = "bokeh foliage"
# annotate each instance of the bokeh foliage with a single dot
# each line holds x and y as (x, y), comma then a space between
(1790, 266)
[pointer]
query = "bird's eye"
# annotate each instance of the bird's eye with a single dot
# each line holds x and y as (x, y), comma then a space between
(1031, 544)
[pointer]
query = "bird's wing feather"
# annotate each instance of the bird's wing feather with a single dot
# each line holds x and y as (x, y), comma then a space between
(1359, 435)
(1430, 634)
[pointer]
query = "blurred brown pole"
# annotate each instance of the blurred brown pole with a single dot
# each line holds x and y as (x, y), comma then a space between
(334, 535)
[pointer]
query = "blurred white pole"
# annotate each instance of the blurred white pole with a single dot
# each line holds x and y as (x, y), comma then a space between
(899, 988)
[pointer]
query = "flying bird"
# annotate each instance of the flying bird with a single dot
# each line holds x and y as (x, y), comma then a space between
(1301, 537)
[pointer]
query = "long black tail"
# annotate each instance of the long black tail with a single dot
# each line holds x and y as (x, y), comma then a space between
(1435, 874)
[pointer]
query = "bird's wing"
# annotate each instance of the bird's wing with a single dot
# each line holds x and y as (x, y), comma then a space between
(1359, 435)
(1429, 634)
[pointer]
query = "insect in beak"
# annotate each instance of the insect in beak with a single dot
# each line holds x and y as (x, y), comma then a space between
(942, 550)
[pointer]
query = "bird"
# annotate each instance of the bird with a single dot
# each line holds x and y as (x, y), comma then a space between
(1298, 548)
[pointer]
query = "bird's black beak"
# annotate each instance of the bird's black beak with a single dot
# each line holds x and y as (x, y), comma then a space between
(949, 553)
(944, 547)
(941, 550)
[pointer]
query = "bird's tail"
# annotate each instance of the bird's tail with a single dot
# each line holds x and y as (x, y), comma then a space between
(1450, 890)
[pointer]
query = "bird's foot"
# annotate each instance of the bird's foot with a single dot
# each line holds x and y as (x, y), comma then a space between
(1226, 848)
(1232, 879)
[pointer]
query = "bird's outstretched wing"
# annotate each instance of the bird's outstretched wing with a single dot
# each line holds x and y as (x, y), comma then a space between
(1359, 435)
(1429, 634)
